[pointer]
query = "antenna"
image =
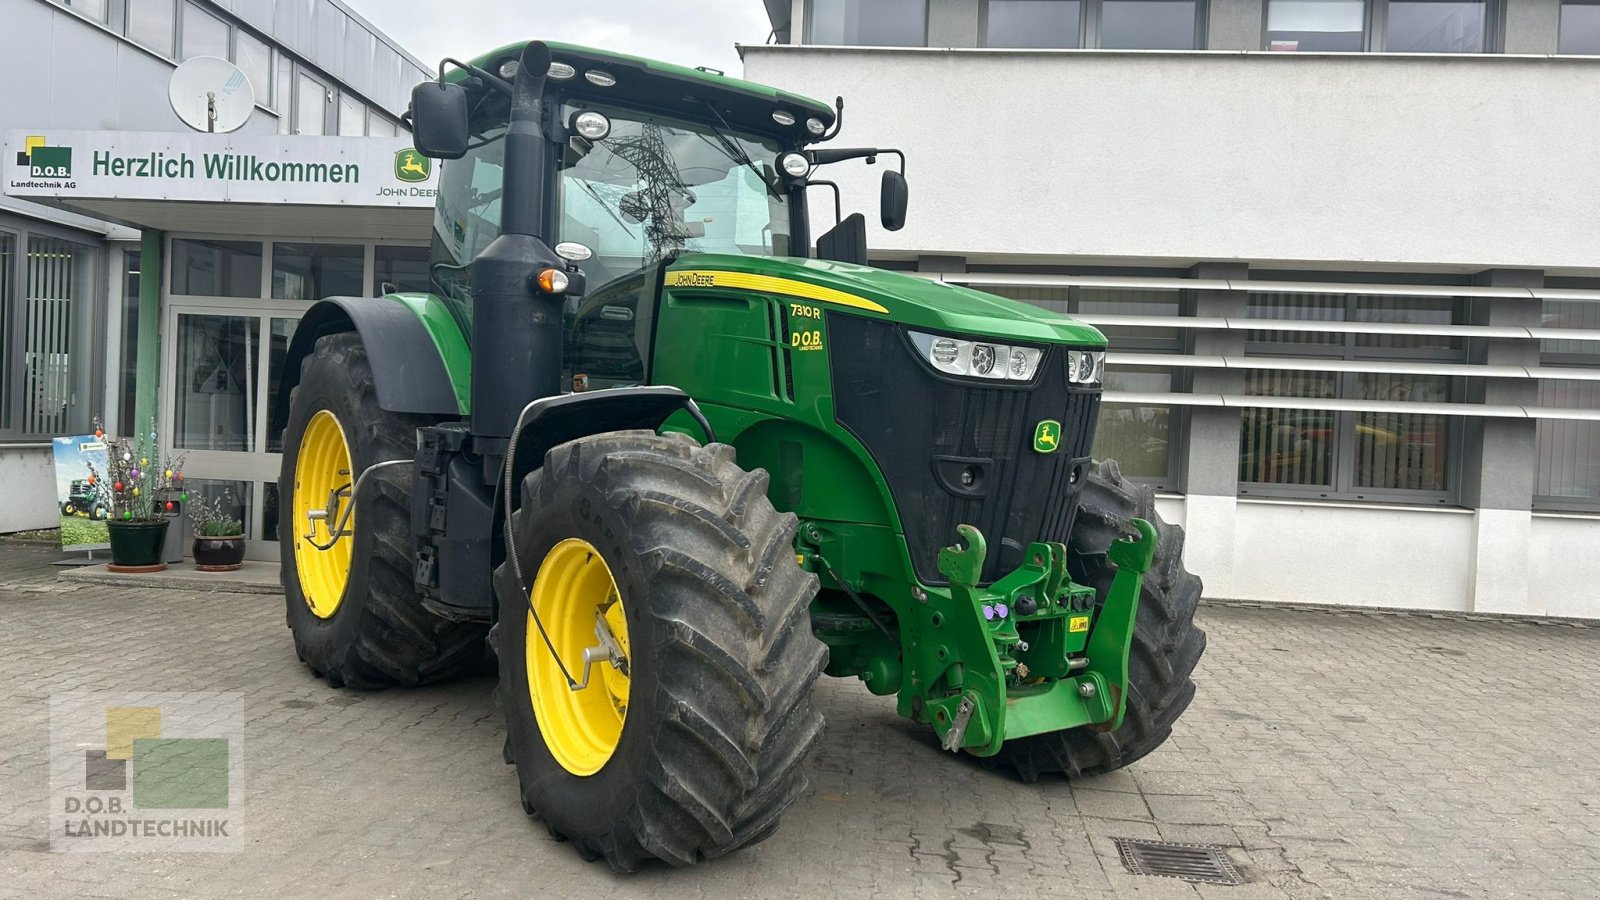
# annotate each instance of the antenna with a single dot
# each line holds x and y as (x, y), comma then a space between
(211, 95)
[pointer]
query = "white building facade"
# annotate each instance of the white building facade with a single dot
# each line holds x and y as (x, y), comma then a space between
(1347, 253)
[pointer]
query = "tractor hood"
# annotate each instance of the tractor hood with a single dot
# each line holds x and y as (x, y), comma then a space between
(903, 298)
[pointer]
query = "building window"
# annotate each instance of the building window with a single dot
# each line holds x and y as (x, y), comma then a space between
(280, 334)
(868, 23)
(1358, 455)
(1435, 26)
(1033, 23)
(203, 34)
(397, 269)
(1345, 453)
(1317, 26)
(216, 268)
(254, 58)
(153, 24)
(9, 367)
(284, 90)
(128, 369)
(1394, 26)
(232, 497)
(1580, 28)
(1568, 471)
(269, 512)
(1142, 437)
(93, 9)
(310, 106)
(48, 321)
(1108, 24)
(352, 115)
(378, 125)
(314, 271)
(1149, 25)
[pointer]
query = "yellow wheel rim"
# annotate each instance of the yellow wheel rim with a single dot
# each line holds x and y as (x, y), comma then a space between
(574, 593)
(322, 481)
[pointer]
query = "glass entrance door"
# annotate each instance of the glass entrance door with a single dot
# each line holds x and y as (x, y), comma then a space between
(216, 410)
(231, 308)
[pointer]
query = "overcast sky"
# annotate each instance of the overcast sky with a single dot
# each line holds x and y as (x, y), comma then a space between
(687, 32)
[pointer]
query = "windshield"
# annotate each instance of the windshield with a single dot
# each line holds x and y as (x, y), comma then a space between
(656, 186)
(652, 187)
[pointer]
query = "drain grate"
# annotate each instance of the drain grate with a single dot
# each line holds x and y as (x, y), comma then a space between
(1202, 863)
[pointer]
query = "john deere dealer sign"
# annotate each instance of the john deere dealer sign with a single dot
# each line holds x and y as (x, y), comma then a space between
(134, 165)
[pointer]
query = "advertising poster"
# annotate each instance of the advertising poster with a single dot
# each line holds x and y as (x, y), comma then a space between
(84, 502)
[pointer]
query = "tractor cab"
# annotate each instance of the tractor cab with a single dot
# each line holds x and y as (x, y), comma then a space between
(644, 162)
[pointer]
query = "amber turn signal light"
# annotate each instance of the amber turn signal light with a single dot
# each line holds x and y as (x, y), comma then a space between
(553, 281)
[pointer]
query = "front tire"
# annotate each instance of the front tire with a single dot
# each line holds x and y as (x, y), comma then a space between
(698, 751)
(1166, 643)
(355, 613)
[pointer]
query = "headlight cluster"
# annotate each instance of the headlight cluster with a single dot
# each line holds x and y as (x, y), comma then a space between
(1086, 366)
(978, 359)
(1003, 362)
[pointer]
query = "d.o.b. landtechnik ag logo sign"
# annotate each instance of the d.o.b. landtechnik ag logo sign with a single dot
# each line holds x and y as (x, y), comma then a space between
(43, 165)
(45, 162)
(158, 772)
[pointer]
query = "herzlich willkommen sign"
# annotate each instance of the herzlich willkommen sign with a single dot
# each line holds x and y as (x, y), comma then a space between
(240, 168)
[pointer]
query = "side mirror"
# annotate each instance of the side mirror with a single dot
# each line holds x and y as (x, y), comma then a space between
(892, 200)
(439, 120)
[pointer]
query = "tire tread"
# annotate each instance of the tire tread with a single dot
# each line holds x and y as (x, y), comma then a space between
(397, 641)
(738, 659)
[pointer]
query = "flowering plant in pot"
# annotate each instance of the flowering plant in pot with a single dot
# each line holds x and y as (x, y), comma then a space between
(218, 533)
(138, 485)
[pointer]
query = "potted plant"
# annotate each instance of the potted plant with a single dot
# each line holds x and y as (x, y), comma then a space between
(218, 534)
(136, 487)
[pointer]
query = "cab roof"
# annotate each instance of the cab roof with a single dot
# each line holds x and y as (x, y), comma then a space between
(665, 85)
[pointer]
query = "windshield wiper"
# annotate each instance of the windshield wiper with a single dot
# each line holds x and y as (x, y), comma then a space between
(735, 151)
(604, 204)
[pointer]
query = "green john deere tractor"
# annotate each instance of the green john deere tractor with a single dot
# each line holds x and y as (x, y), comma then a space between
(673, 460)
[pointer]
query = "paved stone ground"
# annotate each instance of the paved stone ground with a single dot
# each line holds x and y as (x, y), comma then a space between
(1336, 755)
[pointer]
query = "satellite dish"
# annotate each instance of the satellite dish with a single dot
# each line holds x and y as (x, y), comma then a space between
(211, 94)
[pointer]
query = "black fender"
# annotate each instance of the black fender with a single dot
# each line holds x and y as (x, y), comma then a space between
(552, 421)
(407, 371)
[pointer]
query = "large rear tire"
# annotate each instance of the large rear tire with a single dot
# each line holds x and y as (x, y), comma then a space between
(693, 748)
(1166, 643)
(356, 616)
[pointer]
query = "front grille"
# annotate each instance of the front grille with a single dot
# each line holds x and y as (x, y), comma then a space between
(924, 429)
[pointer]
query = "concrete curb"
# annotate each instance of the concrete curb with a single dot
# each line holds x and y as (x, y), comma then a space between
(255, 578)
(1351, 610)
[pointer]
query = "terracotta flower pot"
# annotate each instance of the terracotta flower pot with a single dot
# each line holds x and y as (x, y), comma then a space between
(137, 545)
(218, 553)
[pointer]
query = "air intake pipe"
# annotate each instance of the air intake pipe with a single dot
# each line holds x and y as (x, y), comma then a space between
(516, 327)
